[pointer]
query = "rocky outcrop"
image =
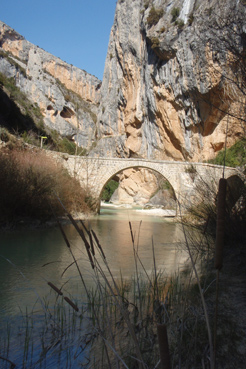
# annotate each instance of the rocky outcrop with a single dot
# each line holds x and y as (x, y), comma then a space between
(170, 78)
(67, 96)
(163, 199)
(136, 187)
(140, 186)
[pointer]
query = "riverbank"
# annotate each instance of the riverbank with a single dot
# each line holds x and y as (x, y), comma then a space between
(155, 211)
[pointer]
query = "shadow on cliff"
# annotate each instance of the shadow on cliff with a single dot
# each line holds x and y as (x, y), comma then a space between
(12, 118)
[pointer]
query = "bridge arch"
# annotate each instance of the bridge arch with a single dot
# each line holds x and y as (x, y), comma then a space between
(94, 172)
(110, 176)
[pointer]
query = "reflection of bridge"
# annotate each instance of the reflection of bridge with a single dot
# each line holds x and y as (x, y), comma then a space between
(184, 177)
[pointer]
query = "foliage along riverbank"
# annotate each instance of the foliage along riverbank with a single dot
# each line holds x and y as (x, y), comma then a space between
(33, 186)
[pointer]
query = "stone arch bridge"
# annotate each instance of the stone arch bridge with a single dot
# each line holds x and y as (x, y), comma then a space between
(186, 178)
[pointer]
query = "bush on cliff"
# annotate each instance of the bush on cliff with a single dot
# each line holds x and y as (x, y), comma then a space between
(30, 184)
(234, 156)
(154, 16)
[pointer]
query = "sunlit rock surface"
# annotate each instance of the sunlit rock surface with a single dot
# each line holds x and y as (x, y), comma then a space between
(165, 93)
(67, 96)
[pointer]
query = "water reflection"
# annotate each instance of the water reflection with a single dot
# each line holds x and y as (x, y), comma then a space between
(39, 256)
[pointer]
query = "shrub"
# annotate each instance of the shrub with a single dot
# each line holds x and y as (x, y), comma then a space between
(30, 184)
(235, 155)
(190, 169)
(4, 134)
(175, 14)
(30, 138)
(109, 190)
(146, 5)
(180, 24)
(190, 19)
(66, 145)
(154, 16)
(155, 42)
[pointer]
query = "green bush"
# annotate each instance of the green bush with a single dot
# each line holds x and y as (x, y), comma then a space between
(154, 16)
(66, 145)
(109, 189)
(235, 155)
(190, 19)
(180, 23)
(175, 14)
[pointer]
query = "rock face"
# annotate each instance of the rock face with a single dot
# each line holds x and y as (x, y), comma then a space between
(139, 186)
(163, 200)
(172, 86)
(67, 96)
(136, 187)
(170, 77)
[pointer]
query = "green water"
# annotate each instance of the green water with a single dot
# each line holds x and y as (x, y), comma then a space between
(38, 256)
(31, 258)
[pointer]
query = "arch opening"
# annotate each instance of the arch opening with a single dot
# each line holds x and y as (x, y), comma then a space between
(143, 187)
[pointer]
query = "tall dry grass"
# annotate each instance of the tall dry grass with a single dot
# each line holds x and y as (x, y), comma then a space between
(30, 184)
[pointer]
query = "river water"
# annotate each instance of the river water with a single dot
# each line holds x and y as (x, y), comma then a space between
(29, 259)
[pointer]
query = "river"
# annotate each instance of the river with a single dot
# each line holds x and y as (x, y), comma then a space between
(29, 259)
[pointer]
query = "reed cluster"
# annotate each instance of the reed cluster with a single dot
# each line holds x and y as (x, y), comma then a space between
(132, 321)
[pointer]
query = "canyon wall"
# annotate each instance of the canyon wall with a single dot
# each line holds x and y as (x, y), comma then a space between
(67, 96)
(169, 81)
(173, 85)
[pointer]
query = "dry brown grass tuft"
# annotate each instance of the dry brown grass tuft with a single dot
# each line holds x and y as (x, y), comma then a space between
(30, 184)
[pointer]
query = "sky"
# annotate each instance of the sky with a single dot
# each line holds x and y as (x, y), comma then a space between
(77, 31)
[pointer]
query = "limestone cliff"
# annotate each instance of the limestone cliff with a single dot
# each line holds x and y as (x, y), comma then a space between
(171, 77)
(136, 187)
(172, 85)
(67, 96)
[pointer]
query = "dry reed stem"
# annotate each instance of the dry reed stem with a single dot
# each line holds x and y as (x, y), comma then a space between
(122, 309)
(219, 245)
(12, 365)
(220, 226)
(55, 288)
(75, 307)
(98, 244)
(83, 282)
(163, 346)
(201, 295)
